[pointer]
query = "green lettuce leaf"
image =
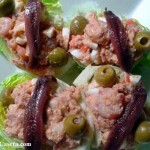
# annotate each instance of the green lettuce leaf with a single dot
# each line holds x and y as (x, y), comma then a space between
(53, 7)
(5, 140)
(5, 50)
(16, 79)
(2, 116)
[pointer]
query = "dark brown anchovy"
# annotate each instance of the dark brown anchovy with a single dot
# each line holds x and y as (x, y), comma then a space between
(118, 39)
(32, 27)
(125, 123)
(33, 117)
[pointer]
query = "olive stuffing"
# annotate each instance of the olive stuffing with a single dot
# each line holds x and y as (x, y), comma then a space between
(142, 41)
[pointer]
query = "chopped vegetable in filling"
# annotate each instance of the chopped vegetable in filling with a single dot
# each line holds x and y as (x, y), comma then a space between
(12, 29)
(94, 46)
(57, 109)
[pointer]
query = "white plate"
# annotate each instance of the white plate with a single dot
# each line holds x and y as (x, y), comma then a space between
(138, 9)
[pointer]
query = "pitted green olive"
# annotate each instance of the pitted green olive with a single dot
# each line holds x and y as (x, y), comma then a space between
(5, 96)
(78, 24)
(142, 41)
(74, 126)
(142, 134)
(105, 76)
(6, 7)
(58, 57)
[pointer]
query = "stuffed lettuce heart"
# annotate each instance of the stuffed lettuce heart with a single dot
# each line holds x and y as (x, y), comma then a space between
(36, 44)
(65, 124)
(114, 100)
(105, 39)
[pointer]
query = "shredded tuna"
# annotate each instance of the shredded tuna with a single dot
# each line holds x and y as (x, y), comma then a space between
(96, 36)
(107, 104)
(131, 31)
(6, 25)
(97, 31)
(61, 105)
(15, 113)
(108, 56)
(12, 29)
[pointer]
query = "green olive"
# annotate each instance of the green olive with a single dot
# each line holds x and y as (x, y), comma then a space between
(142, 134)
(74, 126)
(142, 41)
(105, 76)
(24, 1)
(5, 96)
(6, 7)
(78, 24)
(58, 57)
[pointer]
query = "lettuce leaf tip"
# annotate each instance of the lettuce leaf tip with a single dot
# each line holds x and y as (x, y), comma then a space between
(16, 79)
(53, 7)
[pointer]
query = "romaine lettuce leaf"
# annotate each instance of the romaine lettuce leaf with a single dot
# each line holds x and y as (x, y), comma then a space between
(53, 7)
(2, 116)
(4, 138)
(16, 79)
(5, 50)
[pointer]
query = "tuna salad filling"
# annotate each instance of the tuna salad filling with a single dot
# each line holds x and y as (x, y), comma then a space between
(106, 105)
(13, 30)
(58, 108)
(93, 45)
(42, 44)
(101, 108)
(107, 94)
(45, 112)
